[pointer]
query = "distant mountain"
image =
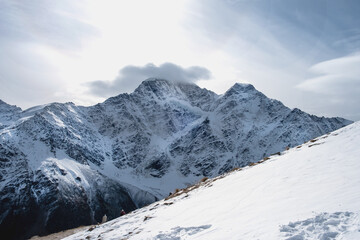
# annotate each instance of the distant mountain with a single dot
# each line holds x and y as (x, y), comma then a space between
(63, 165)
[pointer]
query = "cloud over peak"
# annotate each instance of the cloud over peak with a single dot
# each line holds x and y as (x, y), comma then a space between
(131, 76)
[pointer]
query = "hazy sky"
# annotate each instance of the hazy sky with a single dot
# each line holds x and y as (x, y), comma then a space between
(304, 53)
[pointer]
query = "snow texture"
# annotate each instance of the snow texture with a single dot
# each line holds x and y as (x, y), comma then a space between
(324, 226)
(308, 192)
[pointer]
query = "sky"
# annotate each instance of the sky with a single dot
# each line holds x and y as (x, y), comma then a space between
(304, 53)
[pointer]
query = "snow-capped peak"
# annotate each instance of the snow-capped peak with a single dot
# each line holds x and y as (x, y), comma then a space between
(243, 87)
(165, 135)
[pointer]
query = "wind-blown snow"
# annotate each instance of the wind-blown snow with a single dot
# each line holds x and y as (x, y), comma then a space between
(308, 192)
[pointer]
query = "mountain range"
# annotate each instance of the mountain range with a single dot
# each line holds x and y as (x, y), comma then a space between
(63, 165)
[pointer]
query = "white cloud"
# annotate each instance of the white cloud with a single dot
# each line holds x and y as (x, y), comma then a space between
(131, 76)
(335, 88)
(339, 77)
(56, 24)
(55, 47)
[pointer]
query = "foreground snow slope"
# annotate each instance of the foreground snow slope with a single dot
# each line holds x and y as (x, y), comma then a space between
(309, 192)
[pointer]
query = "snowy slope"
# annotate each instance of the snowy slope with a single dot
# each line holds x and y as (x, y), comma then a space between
(63, 165)
(308, 192)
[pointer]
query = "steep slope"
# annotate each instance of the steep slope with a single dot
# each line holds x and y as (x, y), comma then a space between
(49, 179)
(72, 164)
(163, 129)
(8, 114)
(308, 192)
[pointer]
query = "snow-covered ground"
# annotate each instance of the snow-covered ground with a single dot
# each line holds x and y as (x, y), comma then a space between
(309, 192)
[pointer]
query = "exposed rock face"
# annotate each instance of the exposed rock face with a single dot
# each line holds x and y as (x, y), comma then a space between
(8, 114)
(63, 165)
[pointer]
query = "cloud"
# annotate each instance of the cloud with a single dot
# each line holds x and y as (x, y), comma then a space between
(336, 87)
(131, 76)
(338, 77)
(56, 24)
(32, 35)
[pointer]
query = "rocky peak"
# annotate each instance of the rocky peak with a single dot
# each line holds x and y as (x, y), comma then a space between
(4, 107)
(241, 95)
(162, 89)
(8, 114)
(242, 91)
(243, 87)
(158, 88)
(297, 111)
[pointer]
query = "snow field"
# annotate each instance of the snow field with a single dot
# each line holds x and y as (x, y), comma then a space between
(309, 192)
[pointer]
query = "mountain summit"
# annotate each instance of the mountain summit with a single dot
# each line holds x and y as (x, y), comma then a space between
(63, 165)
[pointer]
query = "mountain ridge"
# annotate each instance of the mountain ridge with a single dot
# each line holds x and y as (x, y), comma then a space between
(162, 136)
